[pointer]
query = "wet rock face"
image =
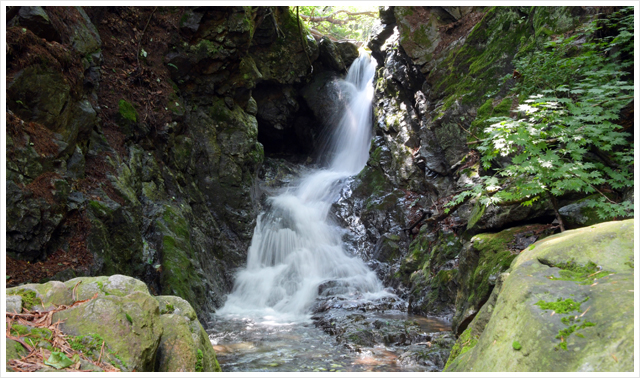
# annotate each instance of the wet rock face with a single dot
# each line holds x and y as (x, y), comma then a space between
(362, 326)
(147, 170)
(48, 115)
(330, 56)
(280, 53)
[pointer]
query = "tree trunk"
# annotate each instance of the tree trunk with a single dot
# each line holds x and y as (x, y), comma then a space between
(554, 203)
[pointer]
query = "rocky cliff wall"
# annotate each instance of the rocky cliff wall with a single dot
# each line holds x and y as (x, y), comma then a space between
(135, 136)
(442, 72)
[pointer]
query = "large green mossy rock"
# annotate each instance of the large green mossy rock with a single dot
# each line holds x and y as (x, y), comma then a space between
(481, 261)
(140, 332)
(184, 345)
(566, 304)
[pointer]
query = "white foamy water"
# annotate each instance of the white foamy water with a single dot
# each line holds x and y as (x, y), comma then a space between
(296, 251)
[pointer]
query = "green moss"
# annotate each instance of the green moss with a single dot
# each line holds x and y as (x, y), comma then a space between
(199, 365)
(573, 325)
(503, 108)
(465, 343)
(219, 111)
(372, 182)
(485, 110)
(488, 111)
(18, 330)
(42, 333)
(257, 154)
(33, 336)
(516, 345)
(29, 298)
(423, 269)
(207, 48)
(581, 274)
(472, 72)
(561, 306)
(100, 209)
(168, 309)
(175, 257)
(91, 346)
(19, 348)
(494, 257)
(127, 111)
(179, 225)
(444, 276)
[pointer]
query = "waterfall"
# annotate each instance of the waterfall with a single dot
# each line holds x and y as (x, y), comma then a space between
(296, 251)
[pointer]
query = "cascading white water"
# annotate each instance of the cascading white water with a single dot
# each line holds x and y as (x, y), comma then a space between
(295, 248)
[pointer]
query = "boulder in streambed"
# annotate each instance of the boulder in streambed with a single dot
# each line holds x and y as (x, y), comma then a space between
(565, 304)
(108, 324)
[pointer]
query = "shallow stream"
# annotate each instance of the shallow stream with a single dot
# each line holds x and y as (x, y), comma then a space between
(244, 345)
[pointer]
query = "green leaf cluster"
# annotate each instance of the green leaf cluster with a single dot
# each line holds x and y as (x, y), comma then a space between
(354, 27)
(566, 139)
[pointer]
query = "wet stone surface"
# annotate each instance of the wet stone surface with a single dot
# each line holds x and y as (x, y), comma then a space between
(342, 334)
(366, 328)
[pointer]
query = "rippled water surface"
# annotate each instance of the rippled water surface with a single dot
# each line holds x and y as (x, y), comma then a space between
(244, 345)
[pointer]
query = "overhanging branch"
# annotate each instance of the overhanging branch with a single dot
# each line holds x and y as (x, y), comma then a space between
(331, 18)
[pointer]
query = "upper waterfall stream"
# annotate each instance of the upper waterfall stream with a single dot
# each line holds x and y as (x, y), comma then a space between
(295, 247)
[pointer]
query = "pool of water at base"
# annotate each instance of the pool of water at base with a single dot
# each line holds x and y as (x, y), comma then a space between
(246, 345)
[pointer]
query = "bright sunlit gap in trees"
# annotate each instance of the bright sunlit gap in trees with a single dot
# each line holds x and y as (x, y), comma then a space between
(350, 23)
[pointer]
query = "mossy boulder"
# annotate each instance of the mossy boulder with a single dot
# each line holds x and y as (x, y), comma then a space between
(481, 261)
(183, 345)
(556, 302)
(137, 329)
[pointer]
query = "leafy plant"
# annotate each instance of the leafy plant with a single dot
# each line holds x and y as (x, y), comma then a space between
(58, 360)
(565, 139)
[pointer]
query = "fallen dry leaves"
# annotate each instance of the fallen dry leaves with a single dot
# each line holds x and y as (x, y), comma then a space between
(34, 361)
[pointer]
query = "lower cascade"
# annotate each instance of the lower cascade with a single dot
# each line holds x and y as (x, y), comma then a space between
(296, 252)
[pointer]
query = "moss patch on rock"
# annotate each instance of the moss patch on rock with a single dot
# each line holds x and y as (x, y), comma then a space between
(548, 317)
(428, 271)
(127, 111)
(119, 323)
